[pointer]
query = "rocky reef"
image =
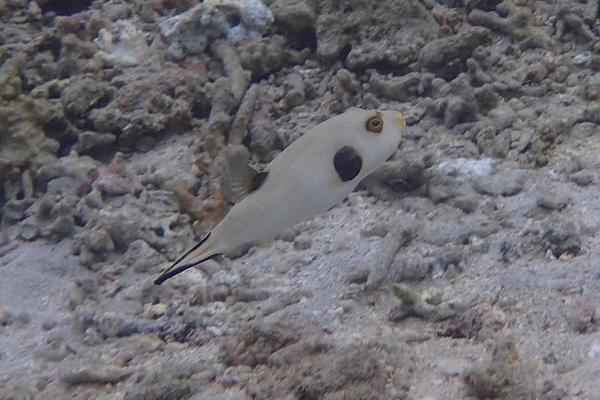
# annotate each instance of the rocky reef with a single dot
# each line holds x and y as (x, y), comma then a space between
(466, 267)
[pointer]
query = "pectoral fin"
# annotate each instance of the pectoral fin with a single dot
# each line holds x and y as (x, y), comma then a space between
(239, 178)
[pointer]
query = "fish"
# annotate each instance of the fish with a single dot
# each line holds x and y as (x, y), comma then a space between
(313, 174)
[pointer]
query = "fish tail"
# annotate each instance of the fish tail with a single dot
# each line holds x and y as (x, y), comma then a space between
(202, 251)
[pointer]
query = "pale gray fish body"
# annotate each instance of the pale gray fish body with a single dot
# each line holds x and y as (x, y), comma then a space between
(303, 180)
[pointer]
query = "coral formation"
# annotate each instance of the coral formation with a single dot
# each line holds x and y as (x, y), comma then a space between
(466, 267)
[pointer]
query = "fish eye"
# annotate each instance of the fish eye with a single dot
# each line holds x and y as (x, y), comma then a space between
(375, 123)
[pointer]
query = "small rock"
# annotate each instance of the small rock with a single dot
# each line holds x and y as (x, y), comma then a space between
(112, 185)
(63, 186)
(91, 337)
(22, 319)
(438, 52)
(163, 391)
(98, 240)
(4, 239)
(79, 98)
(302, 242)
(48, 325)
(112, 325)
(535, 72)
(403, 175)
(582, 178)
(294, 87)
(433, 296)
(594, 350)
(191, 31)
(94, 375)
(53, 352)
(218, 394)
(562, 237)
(28, 229)
(143, 257)
(62, 227)
(250, 294)
(453, 367)
(294, 17)
(89, 140)
(459, 110)
(413, 305)
(503, 376)
(219, 293)
(466, 325)
(580, 316)
(6, 317)
(413, 267)
(499, 184)
(402, 88)
(582, 58)
(468, 203)
(358, 276)
(566, 286)
(375, 229)
(263, 57)
(262, 133)
(14, 210)
(156, 311)
(553, 200)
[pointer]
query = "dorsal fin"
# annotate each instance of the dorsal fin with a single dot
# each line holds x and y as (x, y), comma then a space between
(239, 178)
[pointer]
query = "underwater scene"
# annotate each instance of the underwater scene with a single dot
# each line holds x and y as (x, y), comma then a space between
(300, 199)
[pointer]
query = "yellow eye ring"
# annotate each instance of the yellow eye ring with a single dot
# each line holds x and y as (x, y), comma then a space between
(375, 124)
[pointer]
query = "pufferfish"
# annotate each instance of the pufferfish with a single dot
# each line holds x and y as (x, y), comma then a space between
(310, 176)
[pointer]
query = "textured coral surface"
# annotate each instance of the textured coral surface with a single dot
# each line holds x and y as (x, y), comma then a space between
(467, 267)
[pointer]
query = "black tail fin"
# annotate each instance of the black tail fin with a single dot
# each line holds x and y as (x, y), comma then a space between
(170, 272)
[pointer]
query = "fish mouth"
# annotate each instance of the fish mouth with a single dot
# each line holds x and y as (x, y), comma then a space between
(399, 120)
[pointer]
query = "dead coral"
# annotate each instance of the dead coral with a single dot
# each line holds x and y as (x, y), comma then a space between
(80, 96)
(296, 20)
(518, 26)
(263, 57)
(448, 16)
(412, 304)
(571, 18)
(233, 69)
(209, 212)
(262, 132)
(149, 104)
(456, 102)
(402, 88)
(295, 92)
(398, 177)
(239, 126)
(398, 24)
(88, 141)
(379, 266)
(190, 32)
(380, 54)
(73, 170)
(115, 179)
(436, 54)
(23, 143)
(291, 358)
(504, 376)
(223, 104)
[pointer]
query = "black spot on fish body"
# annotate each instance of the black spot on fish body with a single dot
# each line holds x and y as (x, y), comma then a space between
(347, 163)
(259, 179)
